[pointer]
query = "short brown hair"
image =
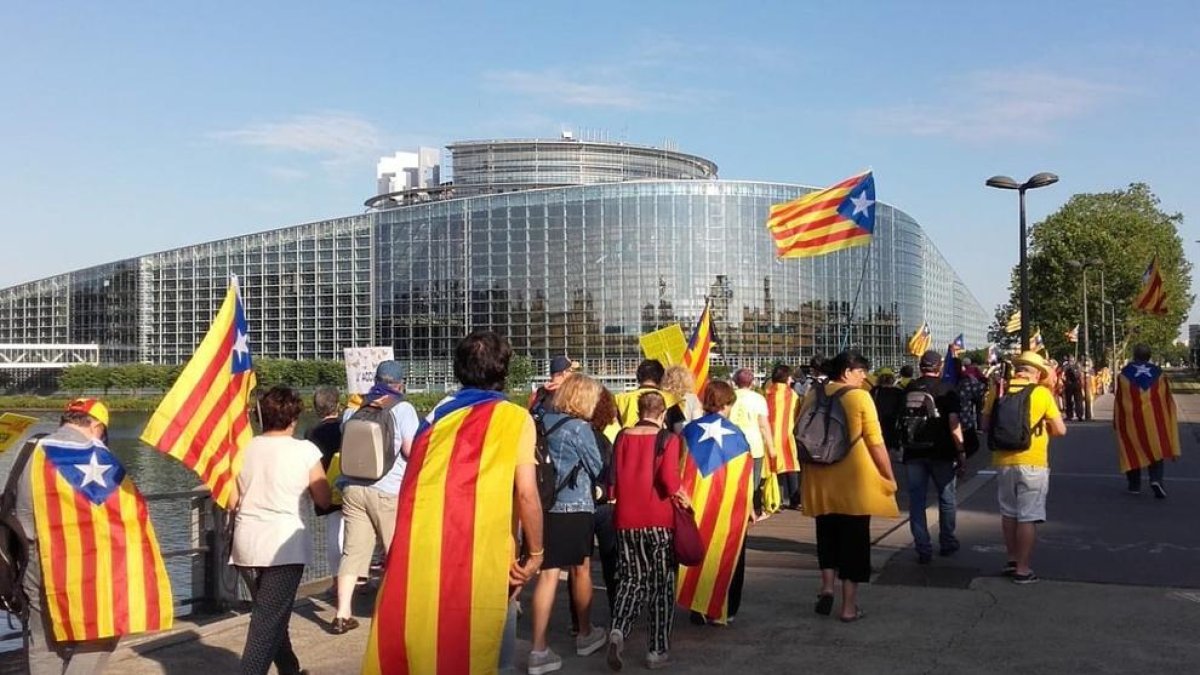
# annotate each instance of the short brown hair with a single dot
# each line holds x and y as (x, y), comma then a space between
(279, 408)
(605, 412)
(717, 395)
(577, 396)
(651, 404)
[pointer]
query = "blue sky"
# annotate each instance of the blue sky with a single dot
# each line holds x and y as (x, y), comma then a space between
(128, 128)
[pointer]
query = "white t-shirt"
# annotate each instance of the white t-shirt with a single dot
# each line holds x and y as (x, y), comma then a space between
(749, 406)
(268, 530)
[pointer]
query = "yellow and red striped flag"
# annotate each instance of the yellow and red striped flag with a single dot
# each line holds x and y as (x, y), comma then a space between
(824, 221)
(444, 598)
(1144, 417)
(203, 421)
(699, 347)
(782, 403)
(102, 571)
(1153, 297)
(1073, 334)
(921, 340)
(717, 473)
(1014, 323)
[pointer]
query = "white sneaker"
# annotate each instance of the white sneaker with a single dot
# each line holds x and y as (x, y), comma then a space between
(616, 645)
(656, 661)
(585, 645)
(547, 662)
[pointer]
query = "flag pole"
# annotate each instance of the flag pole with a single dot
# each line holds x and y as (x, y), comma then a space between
(857, 292)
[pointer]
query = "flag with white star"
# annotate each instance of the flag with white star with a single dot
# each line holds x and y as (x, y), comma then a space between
(203, 420)
(717, 472)
(1144, 416)
(102, 571)
(840, 216)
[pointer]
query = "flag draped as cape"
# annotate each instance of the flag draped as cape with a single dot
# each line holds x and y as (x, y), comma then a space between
(717, 472)
(1144, 417)
(782, 403)
(102, 571)
(444, 598)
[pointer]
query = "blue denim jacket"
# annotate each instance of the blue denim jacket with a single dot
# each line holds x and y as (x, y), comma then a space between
(571, 444)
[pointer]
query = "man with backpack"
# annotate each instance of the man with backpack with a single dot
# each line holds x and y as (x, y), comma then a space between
(649, 375)
(1019, 423)
(561, 368)
(376, 441)
(1072, 387)
(931, 438)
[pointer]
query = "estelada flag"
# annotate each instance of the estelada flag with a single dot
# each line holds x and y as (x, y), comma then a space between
(444, 598)
(1014, 323)
(921, 340)
(824, 221)
(202, 421)
(699, 347)
(781, 414)
(1144, 417)
(717, 473)
(1152, 298)
(958, 346)
(102, 571)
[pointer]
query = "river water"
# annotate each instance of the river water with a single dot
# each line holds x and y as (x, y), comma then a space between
(154, 472)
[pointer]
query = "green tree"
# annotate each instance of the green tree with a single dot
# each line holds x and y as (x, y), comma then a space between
(998, 333)
(1121, 230)
(520, 373)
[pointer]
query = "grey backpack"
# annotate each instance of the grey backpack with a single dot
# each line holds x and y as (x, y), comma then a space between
(822, 435)
(369, 440)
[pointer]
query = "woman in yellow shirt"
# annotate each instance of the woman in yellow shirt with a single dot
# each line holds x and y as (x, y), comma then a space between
(843, 496)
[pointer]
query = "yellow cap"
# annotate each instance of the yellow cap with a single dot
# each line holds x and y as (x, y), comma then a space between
(92, 407)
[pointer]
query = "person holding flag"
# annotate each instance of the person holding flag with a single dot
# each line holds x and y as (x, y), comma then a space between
(1145, 421)
(444, 601)
(717, 476)
(95, 572)
(921, 340)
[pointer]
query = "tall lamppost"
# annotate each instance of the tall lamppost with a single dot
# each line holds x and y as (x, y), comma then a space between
(1005, 183)
(1087, 391)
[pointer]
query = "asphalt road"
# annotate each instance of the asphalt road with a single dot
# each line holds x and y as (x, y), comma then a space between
(1095, 531)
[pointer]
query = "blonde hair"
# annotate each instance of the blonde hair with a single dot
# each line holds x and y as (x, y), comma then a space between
(577, 396)
(678, 381)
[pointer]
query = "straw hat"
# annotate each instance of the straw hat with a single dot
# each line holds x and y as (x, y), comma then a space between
(1034, 360)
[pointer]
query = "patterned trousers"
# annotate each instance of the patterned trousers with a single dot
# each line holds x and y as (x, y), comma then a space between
(646, 570)
(274, 592)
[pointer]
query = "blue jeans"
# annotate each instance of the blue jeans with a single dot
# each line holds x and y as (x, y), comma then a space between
(942, 472)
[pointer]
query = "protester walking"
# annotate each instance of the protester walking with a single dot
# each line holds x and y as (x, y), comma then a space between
(644, 481)
(750, 414)
(1145, 421)
(782, 403)
(1019, 425)
(326, 434)
(679, 384)
(649, 376)
(270, 540)
(842, 496)
(569, 521)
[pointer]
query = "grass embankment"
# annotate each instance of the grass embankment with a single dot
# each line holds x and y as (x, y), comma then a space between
(1185, 382)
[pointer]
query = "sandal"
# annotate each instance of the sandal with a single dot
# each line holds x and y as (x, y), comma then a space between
(858, 614)
(824, 605)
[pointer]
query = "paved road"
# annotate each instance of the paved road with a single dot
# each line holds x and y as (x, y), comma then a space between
(1095, 531)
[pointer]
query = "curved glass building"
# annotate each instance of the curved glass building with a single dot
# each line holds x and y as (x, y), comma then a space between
(562, 246)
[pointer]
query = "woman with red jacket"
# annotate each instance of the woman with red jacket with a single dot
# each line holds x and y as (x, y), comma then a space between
(644, 481)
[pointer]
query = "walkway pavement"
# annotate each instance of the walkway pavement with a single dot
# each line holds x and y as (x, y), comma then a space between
(1121, 592)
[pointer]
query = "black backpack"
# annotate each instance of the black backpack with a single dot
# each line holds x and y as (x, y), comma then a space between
(14, 545)
(916, 425)
(1071, 375)
(547, 473)
(822, 435)
(1008, 427)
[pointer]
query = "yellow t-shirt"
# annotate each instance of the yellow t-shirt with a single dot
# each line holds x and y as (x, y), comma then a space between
(627, 404)
(853, 486)
(749, 406)
(1041, 407)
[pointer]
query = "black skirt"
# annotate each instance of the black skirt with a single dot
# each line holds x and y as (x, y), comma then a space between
(568, 539)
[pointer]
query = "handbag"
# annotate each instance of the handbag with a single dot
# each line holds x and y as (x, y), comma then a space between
(689, 547)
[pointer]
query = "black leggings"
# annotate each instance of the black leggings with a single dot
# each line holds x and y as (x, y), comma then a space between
(274, 592)
(844, 544)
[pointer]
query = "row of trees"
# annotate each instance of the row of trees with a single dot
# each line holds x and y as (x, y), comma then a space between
(140, 378)
(1116, 232)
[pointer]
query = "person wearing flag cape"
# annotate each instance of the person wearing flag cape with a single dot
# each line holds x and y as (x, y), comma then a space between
(1145, 421)
(444, 602)
(95, 570)
(717, 476)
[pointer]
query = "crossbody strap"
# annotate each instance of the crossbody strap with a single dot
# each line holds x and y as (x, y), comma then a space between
(18, 467)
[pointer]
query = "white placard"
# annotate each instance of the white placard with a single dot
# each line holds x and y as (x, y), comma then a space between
(361, 363)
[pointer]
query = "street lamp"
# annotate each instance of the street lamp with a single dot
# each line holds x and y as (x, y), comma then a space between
(1084, 265)
(1005, 183)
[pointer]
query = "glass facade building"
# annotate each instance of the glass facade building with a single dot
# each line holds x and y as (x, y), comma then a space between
(556, 245)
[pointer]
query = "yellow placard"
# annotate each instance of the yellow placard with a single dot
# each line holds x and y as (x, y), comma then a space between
(665, 345)
(13, 428)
